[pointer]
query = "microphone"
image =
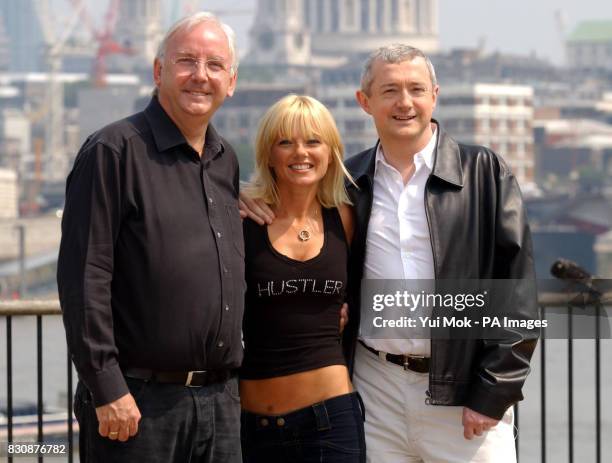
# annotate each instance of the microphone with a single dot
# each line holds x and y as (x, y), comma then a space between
(578, 278)
(565, 269)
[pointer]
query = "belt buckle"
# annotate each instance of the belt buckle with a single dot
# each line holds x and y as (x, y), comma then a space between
(190, 377)
(407, 359)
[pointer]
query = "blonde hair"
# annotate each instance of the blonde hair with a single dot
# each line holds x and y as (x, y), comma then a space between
(308, 117)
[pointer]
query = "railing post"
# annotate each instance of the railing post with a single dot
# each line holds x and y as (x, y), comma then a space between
(22, 257)
(543, 395)
(39, 374)
(570, 381)
(69, 396)
(597, 384)
(9, 380)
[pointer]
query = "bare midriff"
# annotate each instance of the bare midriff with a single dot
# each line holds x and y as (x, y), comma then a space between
(284, 394)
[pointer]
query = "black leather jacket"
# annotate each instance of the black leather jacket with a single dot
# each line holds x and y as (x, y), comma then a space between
(478, 230)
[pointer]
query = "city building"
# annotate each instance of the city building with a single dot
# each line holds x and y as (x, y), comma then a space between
(25, 110)
(567, 148)
(495, 115)
(603, 250)
(15, 125)
(604, 107)
(323, 33)
(355, 125)
(23, 28)
(99, 106)
(8, 194)
(138, 28)
(474, 65)
(4, 47)
(589, 46)
(15, 141)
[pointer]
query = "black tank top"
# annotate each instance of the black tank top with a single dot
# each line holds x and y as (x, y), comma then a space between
(292, 307)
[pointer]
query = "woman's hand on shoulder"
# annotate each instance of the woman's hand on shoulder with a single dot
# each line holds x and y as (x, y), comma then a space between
(255, 209)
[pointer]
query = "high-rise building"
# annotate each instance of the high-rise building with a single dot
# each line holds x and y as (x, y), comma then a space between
(589, 46)
(23, 28)
(356, 127)
(278, 35)
(4, 47)
(8, 194)
(139, 27)
(499, 116)
(306, 32)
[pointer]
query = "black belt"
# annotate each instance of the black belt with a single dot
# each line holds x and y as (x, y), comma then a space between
(415, 363)
(194, 378)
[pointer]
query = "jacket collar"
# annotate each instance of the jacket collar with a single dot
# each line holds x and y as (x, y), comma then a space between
(446, 161)
(365, 167)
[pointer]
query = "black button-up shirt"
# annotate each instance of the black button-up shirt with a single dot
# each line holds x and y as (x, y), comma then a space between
(151, 270)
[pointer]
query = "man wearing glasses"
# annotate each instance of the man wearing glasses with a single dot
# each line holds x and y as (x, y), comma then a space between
(150, 272)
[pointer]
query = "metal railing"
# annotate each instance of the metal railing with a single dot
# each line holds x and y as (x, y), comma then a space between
(560, 300)
(38, 309)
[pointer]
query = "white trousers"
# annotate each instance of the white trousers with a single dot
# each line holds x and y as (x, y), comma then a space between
(400, 427)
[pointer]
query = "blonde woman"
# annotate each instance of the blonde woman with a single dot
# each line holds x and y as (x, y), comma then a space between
(297, 399)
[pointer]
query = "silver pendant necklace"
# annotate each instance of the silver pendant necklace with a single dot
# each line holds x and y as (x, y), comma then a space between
(304, 234)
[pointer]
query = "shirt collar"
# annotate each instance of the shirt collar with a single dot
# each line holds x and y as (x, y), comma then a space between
(426, 155)
(213, 143)
(167, 135)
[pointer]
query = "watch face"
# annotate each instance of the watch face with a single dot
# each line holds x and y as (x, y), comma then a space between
(266, 40)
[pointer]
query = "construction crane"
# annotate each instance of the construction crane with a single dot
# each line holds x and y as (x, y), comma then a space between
(104, 37)
(49, 153)
(561, 23)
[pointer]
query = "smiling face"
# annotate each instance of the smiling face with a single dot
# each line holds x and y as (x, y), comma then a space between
(192, 96)
(299, 161)
(298, 146)
(401, 100)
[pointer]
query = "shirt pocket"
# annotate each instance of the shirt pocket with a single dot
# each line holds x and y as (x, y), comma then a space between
(235, 223)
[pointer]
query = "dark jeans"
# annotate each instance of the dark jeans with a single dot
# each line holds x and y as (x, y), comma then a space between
(178, 424)
(329, 431)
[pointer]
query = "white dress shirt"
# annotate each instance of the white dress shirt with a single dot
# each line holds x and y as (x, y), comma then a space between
(398, 244)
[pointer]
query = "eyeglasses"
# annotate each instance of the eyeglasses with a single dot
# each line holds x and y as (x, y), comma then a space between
(189, 65)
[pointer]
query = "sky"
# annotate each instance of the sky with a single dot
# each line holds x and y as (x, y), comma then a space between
(514, 26)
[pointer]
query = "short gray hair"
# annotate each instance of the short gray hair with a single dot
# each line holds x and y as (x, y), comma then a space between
(191, 21)
(395, 53)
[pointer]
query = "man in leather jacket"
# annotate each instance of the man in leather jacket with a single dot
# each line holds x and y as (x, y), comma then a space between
(427, 207)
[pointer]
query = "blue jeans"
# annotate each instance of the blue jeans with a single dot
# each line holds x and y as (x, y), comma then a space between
(329, 431)
(178, 424)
